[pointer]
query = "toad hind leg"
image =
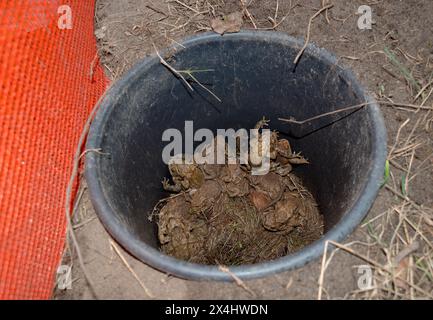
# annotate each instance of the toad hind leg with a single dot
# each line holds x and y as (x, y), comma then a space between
(171, 188)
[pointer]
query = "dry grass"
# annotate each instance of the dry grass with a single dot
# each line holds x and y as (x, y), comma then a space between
(125, 262)
(164, 24)
(399, 250)
(399, 241)
(156, 23)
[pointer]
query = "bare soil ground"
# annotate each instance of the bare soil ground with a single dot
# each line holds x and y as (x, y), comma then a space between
(394, 61)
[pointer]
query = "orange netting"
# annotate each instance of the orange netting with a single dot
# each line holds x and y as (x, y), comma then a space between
(47, 89)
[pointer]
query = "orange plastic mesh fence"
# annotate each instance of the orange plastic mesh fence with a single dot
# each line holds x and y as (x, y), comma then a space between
(47, 89)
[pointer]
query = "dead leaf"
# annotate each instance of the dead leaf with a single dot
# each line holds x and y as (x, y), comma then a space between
(228, 24)
(401, 273)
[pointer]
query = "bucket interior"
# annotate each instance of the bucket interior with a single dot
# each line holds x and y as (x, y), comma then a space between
(254, 78)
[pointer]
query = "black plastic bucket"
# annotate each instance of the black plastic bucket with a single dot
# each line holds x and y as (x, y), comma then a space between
(254, 76)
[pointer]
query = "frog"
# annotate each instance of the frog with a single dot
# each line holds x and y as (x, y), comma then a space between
(285, 155)
(235, 180)
(203, 199)
(180, 233)
(286, 215)
(185, 176)
(270, 184)
(285, 158)
(255, 160)
(189, 176)
(280, 149)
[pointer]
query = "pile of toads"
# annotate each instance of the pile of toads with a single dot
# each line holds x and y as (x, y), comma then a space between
(223, 214)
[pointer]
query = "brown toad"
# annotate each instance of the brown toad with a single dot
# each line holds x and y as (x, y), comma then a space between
(203, 199)
(185, 176)
(287, 214)
(180, 233)
(189, 175)
(236, 182)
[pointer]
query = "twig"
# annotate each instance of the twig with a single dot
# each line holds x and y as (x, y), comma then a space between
(190, 73)
(406, 198)
(74, 174)
(358, 106)
(173, 70)
(325, 264)
(406, 182)
(178, 73)
(324, 2)
(113, 245)
(78, 200)
(238, 281)
(403, 105)
(307, 40)
(98, 151)
(93, 66)
(422, 90)
(426, 99)
(289, 284)
(351, 58)
(247, 12)
(186, 6)
(343, 20)
(155, 208)
(378, 266)
(274, 19)
(414, 227)
(156, 10)
(397, 138)
(322, 271)
(82, 224)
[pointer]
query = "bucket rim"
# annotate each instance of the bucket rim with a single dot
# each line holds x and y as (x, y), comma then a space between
(156, 259)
